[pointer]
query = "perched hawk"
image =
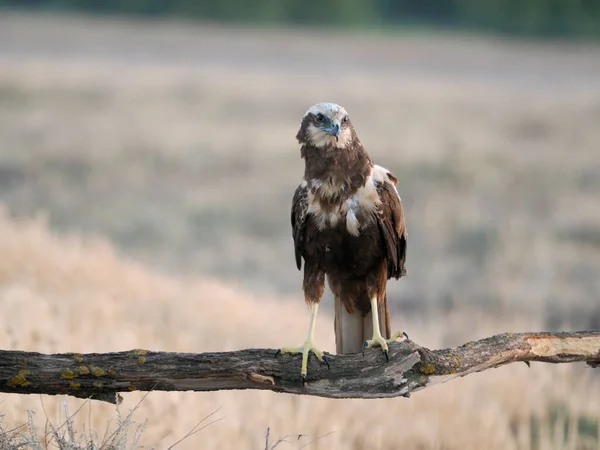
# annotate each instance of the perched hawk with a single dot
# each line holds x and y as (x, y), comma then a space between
(348, 224)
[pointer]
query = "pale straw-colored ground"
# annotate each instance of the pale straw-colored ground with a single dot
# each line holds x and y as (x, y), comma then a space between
(65, 294)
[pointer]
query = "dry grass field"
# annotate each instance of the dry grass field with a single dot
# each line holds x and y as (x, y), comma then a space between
(146, 174)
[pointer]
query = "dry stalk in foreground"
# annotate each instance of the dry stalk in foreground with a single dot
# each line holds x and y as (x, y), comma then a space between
(411, 367)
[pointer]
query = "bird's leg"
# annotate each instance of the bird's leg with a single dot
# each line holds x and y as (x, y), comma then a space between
(309, 344)
(378, 339)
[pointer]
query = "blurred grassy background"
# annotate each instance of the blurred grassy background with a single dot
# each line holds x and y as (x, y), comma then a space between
(173, 144)
(545, 18)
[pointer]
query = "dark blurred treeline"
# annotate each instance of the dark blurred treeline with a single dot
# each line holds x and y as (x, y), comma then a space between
(566, 18)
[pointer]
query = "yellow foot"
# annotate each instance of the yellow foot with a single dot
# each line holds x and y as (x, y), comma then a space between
(378, 340)
(308, 347)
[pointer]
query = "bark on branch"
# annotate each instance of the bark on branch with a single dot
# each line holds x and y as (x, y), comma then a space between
(410, 368)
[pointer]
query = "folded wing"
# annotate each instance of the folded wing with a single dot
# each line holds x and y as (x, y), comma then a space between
(299, 209)
(392, 225)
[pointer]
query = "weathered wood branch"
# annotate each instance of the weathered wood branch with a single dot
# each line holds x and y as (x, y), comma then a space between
(410, 368)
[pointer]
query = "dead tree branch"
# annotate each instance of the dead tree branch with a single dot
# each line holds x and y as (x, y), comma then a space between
(410, 368)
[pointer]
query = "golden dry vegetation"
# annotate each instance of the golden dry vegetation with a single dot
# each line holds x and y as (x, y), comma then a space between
(163, 159)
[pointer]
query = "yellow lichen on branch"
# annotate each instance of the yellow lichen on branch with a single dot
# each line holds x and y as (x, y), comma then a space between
(20, 380)
(410, 368)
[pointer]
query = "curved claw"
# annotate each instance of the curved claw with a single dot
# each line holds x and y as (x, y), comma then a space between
(305, 350)
(406, 335)
(380, 341)
(326, 362)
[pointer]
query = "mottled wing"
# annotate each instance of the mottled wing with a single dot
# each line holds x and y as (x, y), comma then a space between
(299, 208)
(392, 226)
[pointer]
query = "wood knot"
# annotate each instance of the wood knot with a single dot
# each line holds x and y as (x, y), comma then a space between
(263, 379)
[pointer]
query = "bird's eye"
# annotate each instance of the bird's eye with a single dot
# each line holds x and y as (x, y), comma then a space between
(320, 117)
(345, 120)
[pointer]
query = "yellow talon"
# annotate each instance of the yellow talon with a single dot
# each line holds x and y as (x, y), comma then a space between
(309, 345)
(378, 339)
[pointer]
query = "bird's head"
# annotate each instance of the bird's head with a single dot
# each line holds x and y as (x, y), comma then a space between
(325, 125)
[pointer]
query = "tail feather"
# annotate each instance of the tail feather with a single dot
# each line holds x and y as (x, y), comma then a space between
(348, 329)
(352, 330)
(385, 323)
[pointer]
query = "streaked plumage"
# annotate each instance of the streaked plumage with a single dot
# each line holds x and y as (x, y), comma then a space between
(348, 225)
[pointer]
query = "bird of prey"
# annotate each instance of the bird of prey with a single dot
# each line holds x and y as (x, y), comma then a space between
(348, 225)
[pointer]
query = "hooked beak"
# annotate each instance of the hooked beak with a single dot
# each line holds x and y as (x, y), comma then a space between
(334, 130)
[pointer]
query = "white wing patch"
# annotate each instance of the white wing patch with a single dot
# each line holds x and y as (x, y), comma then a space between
(381, 174)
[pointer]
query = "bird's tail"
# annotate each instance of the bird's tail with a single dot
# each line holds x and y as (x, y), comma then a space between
(352, 330)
